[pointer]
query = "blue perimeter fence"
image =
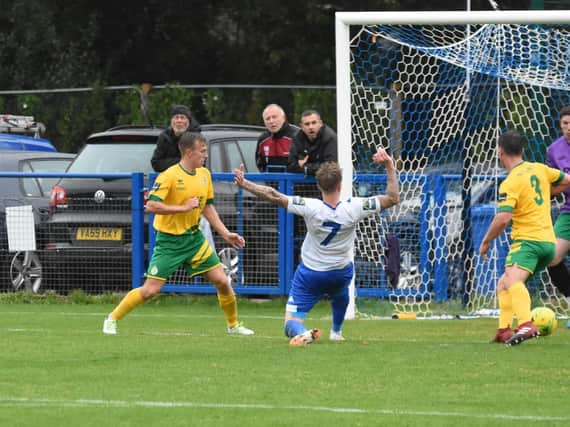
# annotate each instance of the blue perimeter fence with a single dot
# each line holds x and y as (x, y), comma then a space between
(430, 220)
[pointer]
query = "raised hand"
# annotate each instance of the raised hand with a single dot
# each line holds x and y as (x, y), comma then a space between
(383, 158)
(238, 175)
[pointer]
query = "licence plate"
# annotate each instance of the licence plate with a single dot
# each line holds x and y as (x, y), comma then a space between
(99, 233)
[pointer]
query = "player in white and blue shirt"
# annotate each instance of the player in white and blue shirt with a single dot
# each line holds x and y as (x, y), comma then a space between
(327, 252)
(326, 256)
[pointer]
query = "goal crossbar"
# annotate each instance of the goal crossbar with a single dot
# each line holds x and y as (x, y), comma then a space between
(458, 18)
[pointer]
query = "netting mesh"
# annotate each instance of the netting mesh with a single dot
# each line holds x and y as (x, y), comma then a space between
(438, 97)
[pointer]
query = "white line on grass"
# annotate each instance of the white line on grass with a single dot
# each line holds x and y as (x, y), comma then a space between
(151, 315)
(8, 401)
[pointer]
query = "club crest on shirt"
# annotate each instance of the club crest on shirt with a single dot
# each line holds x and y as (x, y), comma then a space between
(155, 186)
(298, 200)
(502, 197)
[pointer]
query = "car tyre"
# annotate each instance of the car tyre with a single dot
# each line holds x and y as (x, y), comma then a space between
(230, 262)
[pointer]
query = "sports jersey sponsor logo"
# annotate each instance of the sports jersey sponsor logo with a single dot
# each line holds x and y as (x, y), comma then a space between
(156, 186)
(298, 200)
(154, 270)
(369, 204)
(502, 197)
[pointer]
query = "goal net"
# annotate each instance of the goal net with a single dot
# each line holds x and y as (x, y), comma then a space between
(436, 89)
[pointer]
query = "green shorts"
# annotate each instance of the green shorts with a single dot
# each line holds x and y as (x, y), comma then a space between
(562, 226)
(530, 255)
(191, 250)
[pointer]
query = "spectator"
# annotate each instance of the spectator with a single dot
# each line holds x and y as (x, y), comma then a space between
(166, 152)
(315, 144)
(273, 145)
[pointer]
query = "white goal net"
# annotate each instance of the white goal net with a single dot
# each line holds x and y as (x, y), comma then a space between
(436, 89)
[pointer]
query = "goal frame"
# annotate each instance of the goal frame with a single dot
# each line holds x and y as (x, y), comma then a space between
(343, 21)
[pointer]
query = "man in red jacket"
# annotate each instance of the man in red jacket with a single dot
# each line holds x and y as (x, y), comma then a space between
(273, 145)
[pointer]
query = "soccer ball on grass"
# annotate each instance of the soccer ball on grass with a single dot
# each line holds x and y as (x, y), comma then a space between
(545, 320)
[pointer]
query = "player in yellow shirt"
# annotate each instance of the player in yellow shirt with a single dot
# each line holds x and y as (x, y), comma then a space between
(524, 200)
(179, 196)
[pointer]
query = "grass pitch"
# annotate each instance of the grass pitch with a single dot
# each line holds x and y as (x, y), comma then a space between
(173, 364)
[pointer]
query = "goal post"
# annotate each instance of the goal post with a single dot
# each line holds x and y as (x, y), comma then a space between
(437, 89)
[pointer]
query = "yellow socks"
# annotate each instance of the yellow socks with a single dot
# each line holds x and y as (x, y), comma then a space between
(228, 304)
(521, 302)
(505, 309)
(131, 301)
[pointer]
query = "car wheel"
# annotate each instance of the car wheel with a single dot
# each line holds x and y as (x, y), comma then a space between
(26, 272)
(229, 259)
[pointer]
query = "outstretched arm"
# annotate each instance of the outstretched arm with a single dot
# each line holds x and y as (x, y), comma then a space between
(264, 192)
(392, 196)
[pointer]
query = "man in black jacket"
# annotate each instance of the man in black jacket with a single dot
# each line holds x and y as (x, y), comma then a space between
(166, 152)
(316, 143)
(274, 144)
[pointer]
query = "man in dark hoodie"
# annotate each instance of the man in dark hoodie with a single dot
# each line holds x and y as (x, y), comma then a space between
(315, 144)
(166, 152)
(273, 145)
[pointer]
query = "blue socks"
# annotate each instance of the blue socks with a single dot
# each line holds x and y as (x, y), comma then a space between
(339, 305)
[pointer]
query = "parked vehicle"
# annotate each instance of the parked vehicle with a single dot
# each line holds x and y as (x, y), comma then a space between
(22, 133)
(23, 270)
(25, 143)
(90, 221)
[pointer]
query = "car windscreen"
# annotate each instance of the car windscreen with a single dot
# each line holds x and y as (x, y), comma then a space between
(42, 165)
(113, 158)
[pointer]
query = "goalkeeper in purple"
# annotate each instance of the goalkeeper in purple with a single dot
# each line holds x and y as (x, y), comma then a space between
(327, 252)
(558, 156)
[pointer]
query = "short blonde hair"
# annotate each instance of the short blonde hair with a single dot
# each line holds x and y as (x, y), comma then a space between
(329, 175)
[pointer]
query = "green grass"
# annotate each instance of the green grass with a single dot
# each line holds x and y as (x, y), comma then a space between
(173, 364)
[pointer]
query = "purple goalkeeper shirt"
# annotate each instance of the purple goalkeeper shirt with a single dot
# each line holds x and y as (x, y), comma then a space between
(558, 156)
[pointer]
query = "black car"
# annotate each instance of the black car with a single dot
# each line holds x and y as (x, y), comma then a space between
(89, 239)
(23, 270)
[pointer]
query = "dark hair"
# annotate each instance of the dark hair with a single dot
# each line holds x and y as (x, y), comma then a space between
(565, 111)
(310, 113)
(188, 140)
(329, 175)
(512, 142)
